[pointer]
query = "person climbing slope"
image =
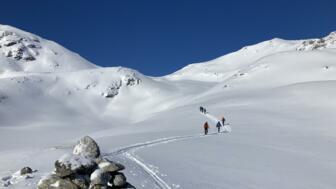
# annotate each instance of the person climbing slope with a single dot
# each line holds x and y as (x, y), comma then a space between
(206, 128)
(223, 121)
(218, 125)
(201, 109)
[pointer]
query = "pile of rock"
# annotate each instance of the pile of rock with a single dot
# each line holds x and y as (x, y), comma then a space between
(85, 169)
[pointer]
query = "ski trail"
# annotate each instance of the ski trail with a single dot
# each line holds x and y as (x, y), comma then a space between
(128, 152)
(155, 142)
(161, 183)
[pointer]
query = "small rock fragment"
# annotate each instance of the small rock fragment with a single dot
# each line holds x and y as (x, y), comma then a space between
(26, 170)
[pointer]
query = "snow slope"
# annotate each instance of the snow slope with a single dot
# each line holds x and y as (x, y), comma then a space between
(278, 97)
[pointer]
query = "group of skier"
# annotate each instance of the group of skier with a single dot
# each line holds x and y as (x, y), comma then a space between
(203, 110)
(206, 125)
(218, 125)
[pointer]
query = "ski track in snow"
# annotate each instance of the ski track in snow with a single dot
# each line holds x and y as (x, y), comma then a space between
(128, 151)
(158, 181)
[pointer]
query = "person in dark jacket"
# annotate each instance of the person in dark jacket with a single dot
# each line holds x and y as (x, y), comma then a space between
(201, 109)
(206, 128)
(218, 126)
(223, 120)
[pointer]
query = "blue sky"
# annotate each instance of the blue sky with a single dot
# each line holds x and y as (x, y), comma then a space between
(158, 37)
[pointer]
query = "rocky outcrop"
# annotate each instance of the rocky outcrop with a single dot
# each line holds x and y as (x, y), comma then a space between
(128, 80)
(112, 90)
(18, 47)
(317, 44)
(85, 168)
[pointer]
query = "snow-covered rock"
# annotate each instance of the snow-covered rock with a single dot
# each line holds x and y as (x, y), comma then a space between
(109, 166)
(18, 47)
(318, 44)
(100, 177)
(26, 170)
(87, 147)
(80, 170)
(70, 164)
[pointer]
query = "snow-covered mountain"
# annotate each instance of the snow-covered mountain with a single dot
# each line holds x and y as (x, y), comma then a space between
(224, 67)
(277, 95)
(23, 51)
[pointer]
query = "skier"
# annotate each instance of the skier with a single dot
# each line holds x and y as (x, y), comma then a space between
(223, 120)
(201, 109)
(206, 128)
(218, 126)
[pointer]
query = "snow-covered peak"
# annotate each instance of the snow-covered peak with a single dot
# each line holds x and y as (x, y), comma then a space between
(225, 66)
(23, 51)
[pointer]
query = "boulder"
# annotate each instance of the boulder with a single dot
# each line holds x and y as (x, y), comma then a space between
(87, 147)
(99, 177)
(26, 170)
(70, 164)
(55, 182)
(119, 180)
(82, 181)
(110, 166)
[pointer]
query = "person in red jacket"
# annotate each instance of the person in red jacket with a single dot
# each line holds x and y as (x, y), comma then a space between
(206, 128)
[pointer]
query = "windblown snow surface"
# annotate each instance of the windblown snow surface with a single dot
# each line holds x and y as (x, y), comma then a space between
(278, 97)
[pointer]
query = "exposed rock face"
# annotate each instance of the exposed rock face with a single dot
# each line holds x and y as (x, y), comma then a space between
(87, 147)
(129, 80)
(316, 44)
(18, 47)
(85, 169)
(112, 90)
